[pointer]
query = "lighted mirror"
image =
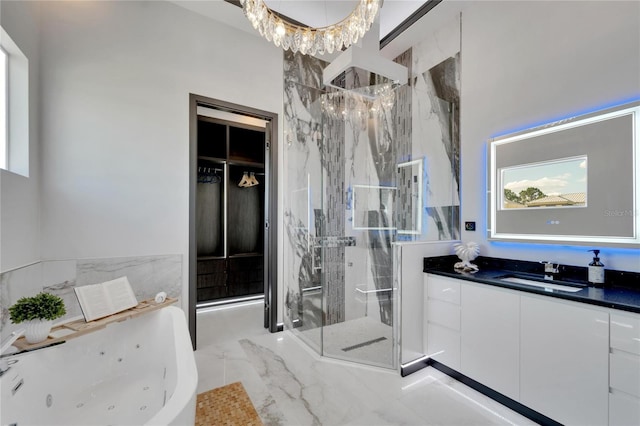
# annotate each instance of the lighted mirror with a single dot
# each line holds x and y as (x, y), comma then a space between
(409, 197)
(575, 180)
(373, 207)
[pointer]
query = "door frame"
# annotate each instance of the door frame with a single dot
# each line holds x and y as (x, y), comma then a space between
(270, 208)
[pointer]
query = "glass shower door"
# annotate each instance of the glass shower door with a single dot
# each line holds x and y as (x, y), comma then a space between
(340, 196)
(357, 228)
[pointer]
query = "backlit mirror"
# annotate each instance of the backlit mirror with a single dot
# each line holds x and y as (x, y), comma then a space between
(574, 180)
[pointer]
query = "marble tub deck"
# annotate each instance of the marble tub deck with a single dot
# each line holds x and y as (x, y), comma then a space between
(290, 385)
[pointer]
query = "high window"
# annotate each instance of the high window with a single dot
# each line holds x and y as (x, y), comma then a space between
(3, 108)
(14, 107)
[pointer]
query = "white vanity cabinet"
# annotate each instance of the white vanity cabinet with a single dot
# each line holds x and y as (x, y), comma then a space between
(624, 369)
(442, 320)
(563, 360)
(490, 337)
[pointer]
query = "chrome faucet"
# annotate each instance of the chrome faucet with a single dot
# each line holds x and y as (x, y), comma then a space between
(550, 269)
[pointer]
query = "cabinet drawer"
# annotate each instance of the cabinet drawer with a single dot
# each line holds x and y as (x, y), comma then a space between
(625, 333)
(445, 289)
(443, 313)
(624, 410)
(443, 345)
(625, 373)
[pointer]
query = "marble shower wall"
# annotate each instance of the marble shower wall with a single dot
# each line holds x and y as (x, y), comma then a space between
(422, 125)
(328, 154)
(302, 197)
(435, 134)
(147, 274)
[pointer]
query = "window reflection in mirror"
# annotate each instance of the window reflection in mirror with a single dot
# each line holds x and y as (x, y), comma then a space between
(550, 184)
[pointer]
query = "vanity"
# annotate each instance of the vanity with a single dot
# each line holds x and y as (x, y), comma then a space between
(569, 354)
(535, 337)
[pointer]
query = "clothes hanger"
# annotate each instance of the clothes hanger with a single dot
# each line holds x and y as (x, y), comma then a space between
(252, 179)
(216, 178)
(245, 182)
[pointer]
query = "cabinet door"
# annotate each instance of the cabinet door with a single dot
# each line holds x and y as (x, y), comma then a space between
(442, 320)
(564, 360)
(624, 369)
(624, 410)
(490, 337)
(444, 345)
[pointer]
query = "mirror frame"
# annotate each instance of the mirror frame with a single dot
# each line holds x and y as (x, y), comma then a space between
(419, 203)
(494, 197)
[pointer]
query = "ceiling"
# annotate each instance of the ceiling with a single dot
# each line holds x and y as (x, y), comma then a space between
(319, 13)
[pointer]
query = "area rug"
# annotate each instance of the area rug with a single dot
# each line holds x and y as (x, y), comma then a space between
(227, 405)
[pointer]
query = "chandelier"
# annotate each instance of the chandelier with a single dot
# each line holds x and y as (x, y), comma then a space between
(357, 107)
(309, 40)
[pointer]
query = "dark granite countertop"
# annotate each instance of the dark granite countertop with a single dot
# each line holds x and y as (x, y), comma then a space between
(621, 290)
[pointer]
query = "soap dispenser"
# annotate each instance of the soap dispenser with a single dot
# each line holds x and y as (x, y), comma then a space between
(596, 270)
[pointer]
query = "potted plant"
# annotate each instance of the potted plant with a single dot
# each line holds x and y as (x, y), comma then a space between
(38, 313)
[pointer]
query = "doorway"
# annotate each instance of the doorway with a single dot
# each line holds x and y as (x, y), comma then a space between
(232, 207)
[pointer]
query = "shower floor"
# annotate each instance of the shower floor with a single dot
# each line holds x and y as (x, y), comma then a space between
(363, 340)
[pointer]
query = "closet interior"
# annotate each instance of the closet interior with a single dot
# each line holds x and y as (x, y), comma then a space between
(230, 210)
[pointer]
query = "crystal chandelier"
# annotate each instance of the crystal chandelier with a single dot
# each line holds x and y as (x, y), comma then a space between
(309, 40)
(353, 106)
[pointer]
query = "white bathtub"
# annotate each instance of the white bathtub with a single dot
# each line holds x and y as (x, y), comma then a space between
(137, 372)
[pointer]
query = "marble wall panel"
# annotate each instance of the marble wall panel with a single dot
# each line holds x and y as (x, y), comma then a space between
(302, 191)
(147, 274)
(435, 129)
(14, 284)
(59, 278)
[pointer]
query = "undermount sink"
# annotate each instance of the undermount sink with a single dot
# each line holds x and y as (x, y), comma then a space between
(546, 286)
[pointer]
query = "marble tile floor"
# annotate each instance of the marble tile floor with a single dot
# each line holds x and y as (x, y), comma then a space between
(290, 385)
(375, 338)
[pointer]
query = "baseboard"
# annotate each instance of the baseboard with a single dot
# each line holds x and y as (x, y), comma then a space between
(420, 363)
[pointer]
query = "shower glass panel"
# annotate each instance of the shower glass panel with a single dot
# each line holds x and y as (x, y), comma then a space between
(356, 225)
(340, 213)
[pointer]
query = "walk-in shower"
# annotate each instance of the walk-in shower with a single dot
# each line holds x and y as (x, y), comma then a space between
(341, 206)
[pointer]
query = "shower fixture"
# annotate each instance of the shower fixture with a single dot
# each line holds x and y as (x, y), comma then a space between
(361, 68)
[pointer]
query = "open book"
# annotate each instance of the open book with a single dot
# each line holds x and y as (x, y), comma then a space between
(107, 298)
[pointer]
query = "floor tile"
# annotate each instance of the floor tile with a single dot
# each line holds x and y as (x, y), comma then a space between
(290, 384)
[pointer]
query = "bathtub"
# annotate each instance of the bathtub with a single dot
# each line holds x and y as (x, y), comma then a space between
(137, 372)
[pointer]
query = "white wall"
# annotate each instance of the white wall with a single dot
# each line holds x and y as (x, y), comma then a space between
(116, 78)
(20, 195)
(529, 62)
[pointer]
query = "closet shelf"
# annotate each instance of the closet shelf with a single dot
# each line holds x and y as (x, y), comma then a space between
(210, 257)
(255, 254)
(214, 159)
(245, 163)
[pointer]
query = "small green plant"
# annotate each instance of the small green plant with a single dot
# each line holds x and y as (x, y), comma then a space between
(43, 306)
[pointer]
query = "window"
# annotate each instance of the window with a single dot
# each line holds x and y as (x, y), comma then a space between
(3, 108)
(14, 107)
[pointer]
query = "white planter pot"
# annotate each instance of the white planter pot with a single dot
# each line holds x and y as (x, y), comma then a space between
(36, 331)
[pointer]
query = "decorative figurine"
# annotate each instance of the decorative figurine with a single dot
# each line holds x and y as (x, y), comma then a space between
(466, 252)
